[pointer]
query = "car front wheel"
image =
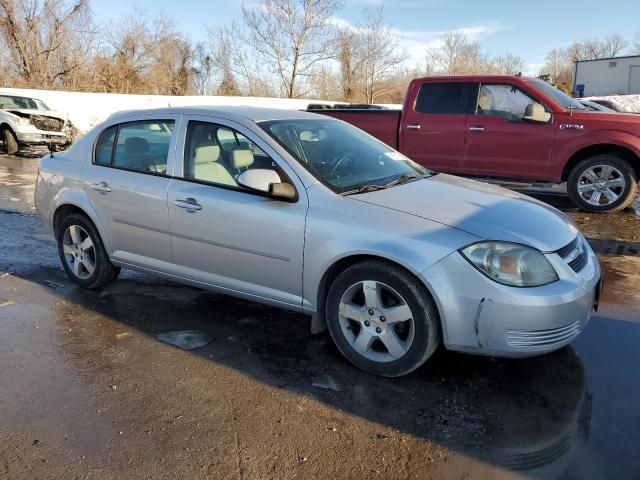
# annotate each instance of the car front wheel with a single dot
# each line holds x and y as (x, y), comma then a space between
(10, 141)
(82, 253)
(602, 183)
(382, 319)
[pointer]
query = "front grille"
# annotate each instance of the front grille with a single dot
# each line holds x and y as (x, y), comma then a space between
(574, 254)
(49, 124)
(542, 338)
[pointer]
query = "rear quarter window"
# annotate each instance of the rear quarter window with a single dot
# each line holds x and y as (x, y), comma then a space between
(446, 98)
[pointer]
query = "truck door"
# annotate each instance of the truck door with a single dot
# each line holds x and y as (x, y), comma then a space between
(500, 142)
(433, 127)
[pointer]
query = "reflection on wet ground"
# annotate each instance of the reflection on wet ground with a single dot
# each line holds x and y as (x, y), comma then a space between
(89, 391)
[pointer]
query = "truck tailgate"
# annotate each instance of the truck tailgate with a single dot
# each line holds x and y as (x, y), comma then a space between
(382, 124)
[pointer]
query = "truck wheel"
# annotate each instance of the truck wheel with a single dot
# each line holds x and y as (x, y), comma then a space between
(82, 253)
(10, 141)
(382, 319)
(602, 183)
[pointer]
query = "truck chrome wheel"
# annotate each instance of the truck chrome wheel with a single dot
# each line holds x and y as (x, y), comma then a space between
(79, 251)
(601, 185)
(376, 321)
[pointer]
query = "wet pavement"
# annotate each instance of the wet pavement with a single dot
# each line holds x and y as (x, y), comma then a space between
(92, 386)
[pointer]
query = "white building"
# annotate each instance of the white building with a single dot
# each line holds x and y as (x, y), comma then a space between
(607, 76)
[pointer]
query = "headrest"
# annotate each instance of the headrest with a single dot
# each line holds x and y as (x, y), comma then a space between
(242, 158)
(136, 146)
(206, 153)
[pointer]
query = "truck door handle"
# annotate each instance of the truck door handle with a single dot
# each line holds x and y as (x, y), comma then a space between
(189, 203)
(476, 129)
(413, 126)
(101, 187)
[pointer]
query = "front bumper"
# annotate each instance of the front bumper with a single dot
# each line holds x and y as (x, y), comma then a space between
(481, 316)
(42, 138)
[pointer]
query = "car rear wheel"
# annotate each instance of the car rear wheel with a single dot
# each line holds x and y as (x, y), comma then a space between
(382, 319)
(10, 141)
(602, 183)
(82, 253)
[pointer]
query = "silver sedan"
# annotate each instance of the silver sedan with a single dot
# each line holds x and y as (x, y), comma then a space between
(308, 213)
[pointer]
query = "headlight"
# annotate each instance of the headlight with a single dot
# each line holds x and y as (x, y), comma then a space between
(23, 121)
(510, 263)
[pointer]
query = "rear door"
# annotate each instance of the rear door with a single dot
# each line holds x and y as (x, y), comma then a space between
(225, 235)
(433, 129)
(127, 181)
(500, 142)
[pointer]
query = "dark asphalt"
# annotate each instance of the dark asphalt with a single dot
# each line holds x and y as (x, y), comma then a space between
(88, 391)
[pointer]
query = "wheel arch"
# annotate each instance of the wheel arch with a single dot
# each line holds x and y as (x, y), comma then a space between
(318, 322)
(69, 206)
(599, 149)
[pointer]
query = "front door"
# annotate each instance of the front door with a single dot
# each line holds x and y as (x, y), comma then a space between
(433, 130)
(127, 182)
(500, 142)
(225, 235)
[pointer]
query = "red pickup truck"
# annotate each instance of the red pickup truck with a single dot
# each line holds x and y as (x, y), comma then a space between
(516, 128)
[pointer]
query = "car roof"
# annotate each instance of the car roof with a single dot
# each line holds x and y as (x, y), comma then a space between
(254, 114)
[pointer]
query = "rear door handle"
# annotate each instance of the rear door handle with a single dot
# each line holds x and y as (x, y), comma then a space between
(413, 126)
(476, 129)
(101, 187)
(189, 203)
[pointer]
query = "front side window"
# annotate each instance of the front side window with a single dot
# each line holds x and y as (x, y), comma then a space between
(447, 98)
(218, 154)
(340, 155)
(503, 101)
(141, 146)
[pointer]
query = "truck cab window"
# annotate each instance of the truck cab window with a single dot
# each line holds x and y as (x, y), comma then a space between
(449, 98)
(503, 101)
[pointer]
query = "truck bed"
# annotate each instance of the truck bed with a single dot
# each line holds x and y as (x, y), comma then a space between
(382, 124)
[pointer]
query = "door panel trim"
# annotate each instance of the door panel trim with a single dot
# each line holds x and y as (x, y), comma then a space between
(144, 227)
(231, 247)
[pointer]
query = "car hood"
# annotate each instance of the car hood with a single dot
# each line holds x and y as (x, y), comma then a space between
(34, 111)
(484, 210)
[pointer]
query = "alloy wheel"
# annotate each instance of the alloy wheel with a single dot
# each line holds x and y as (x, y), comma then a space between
(79, 251)
(601, 185)
(376, 321)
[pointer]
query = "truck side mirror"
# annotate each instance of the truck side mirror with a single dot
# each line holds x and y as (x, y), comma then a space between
(536, 113)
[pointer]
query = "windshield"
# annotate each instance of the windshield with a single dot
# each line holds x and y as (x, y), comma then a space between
(342, 156)
(21, 103)
(556, 95)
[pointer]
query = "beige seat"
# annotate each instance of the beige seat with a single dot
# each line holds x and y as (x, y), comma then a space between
(241, 158)
(207, 166)
(485, 101)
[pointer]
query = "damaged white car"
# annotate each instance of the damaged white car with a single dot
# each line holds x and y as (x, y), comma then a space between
(27, 122)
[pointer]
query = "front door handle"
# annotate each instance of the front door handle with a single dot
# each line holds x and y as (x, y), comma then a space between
(101, 187)
(189, 203)
(413, 126)
(476, 129)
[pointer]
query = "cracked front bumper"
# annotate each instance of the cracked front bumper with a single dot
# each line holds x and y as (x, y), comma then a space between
(481, 316)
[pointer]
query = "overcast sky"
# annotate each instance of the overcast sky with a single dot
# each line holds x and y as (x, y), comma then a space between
(524, 27)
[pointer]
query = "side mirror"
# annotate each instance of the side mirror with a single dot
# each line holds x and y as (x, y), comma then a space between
(536, 113)
(267, 181)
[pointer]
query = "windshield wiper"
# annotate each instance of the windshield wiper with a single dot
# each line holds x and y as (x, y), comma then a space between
(404, 178)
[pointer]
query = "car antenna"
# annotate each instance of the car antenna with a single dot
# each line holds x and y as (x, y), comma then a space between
(50, 147)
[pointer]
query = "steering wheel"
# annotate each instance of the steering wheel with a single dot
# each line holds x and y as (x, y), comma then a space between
(337, 162)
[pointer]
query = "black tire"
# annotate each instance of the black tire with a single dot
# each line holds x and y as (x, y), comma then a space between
(10, 141)
(426, 336)
(105, 272)
(626, 195)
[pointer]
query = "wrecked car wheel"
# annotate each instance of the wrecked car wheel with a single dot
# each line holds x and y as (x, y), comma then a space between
(10, 141)
(82, 253)
(382, 318)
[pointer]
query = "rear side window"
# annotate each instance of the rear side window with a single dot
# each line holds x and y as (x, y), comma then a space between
(139, 146)
(450, 98)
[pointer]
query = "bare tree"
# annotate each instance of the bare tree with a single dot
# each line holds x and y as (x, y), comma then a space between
(38, 35)
(292, 37)
(508, 64)
(457, 55)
